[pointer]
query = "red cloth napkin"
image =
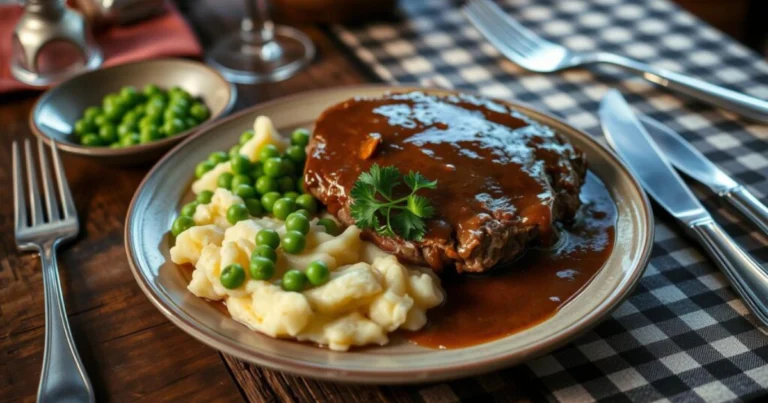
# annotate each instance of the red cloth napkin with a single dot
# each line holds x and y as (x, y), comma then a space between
(166, 35)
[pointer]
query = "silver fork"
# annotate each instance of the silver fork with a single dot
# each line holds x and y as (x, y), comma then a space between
(535, 53)
(63, 377)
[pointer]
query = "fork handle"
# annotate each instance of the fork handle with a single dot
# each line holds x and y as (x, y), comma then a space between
(63, 377)
(749, 205)
(737, 102)
(747, 277)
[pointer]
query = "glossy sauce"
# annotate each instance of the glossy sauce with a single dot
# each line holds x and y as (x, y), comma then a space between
(481, 308)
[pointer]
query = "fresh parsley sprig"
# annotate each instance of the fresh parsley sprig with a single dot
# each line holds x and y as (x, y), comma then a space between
(374, 206)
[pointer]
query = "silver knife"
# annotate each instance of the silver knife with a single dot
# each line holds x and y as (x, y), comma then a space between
(638, 150)
(689, 160)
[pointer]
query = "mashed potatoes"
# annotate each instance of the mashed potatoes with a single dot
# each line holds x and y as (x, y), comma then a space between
(368, 295)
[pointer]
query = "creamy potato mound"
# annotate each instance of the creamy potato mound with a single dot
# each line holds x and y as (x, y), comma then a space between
(370, 293)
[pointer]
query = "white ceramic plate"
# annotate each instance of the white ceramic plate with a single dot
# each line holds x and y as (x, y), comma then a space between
(166, 188)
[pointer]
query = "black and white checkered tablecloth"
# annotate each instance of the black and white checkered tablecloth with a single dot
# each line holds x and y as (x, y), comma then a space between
(683, 335)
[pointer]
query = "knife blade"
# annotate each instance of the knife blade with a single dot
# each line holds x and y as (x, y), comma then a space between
(638, 150)
(693, 163)
(630, 140)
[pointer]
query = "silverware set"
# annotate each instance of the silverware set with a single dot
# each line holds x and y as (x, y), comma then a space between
(42, 230)
(650, 148)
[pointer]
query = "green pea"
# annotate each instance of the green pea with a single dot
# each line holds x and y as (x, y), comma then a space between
(300, 137)
(238, 180)
(190, 122)
(203, 167)
(303, 212)
(330, 226)
(140, 110)
(297, 222)
(261, 268)
(307, 202)
(237, 212)
(147, 121)
(100, 120)
(225, 180)
(268, 237)
(149, 134)
(317, 273)
(268, 151)
(84, 126)
(110, 100)
(268, 200)
(129, 95)
(254, 207)
(128, 140)
(218, 157)
(181, 224)
(294, 280)
(294, 242)
(240, 164)
(300, 185)
(189, 209)
(204, 197)
(182, 104)
(91, 113)
(199, 111)
(247, 135)
(108, 134)
(288, 167)
(173, 112)
(290, 195)
(283, 207)
(234, 150)
(125, 129)
(174, 126)
(91, 140)
(273, 167)
(245, 191)
(151, 89)
(265, 184)
(264, 251)
(232, 276)
(296, 154)
(257, 169)
(114, 113)
(285, 184)
(115, 145)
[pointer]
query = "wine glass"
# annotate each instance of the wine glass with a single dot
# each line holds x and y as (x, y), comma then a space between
(261, 51)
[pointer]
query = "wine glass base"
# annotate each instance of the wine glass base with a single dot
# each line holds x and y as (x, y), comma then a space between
(241, 61)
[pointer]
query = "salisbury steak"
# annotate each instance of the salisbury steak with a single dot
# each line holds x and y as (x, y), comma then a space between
(503, 180)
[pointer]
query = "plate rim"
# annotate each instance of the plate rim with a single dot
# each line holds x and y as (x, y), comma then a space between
(374, 376)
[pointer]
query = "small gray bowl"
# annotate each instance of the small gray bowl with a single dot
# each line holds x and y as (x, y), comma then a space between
(55, 113)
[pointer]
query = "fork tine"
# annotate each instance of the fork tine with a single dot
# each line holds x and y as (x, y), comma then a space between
(19, 202)
(517, 29)
(34, 191)
(498, 33)
(51, 207)
(67, 204)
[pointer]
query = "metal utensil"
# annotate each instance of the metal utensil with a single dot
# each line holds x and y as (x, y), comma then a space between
(42, 231)
(689, 160)
(631, 141)
(535, 53)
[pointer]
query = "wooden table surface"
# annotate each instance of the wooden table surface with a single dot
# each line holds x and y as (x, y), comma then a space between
(130, 350)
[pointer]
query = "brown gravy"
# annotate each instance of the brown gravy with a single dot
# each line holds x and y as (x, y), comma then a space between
(481, 308)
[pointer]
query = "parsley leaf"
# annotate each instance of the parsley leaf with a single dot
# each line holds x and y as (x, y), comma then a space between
(373, 206)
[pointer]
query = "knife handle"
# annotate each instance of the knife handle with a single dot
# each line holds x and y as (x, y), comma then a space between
(748, 278)
(749, 205)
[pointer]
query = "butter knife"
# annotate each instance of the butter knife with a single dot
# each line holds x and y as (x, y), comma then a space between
(694, 164)
(638, 150)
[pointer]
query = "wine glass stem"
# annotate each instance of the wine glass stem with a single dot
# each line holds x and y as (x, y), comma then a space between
(257, 21)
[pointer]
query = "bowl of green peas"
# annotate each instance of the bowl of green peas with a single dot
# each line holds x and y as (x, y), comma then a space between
(131, 113)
